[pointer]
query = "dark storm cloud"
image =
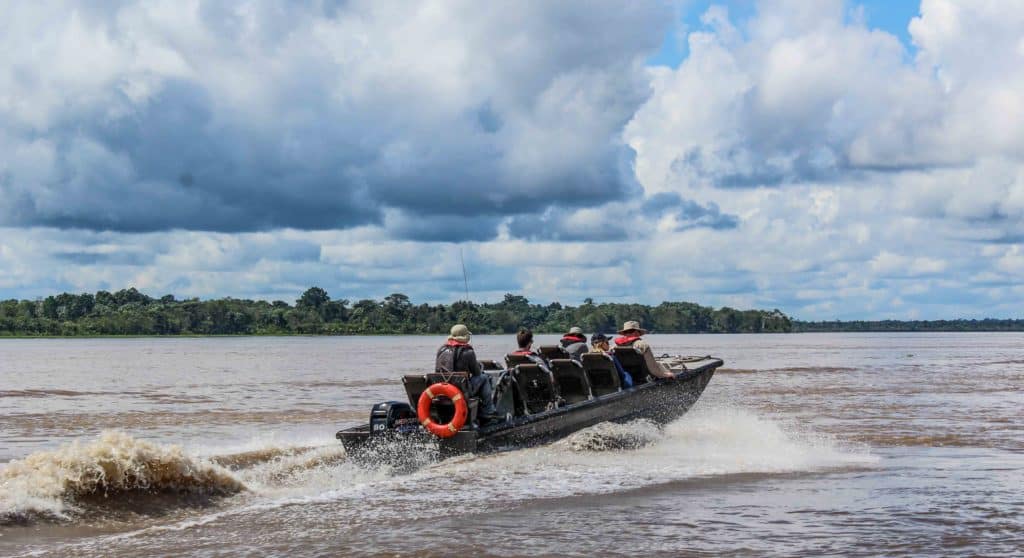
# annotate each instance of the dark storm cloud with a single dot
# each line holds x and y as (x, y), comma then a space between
(168, 164)
(318, 116)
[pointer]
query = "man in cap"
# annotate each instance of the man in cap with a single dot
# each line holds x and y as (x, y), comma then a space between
(631, 336)
(457, 355)
(574, 342)
(599, 344)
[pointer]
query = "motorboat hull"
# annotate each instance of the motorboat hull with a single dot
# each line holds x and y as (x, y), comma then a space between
(659, 401)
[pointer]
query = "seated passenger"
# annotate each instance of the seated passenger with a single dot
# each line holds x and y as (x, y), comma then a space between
(599, 344)
(630, 336)
(525, 341)
(574, 342)
(457, 355)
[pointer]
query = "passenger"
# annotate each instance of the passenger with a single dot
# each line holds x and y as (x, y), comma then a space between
(599, 344)
(457, 355)
(525, 341)
(630, 336)
(574, 343)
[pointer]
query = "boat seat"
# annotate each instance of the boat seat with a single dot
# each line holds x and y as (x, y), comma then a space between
(633, 362)
(551, 352)
(415, 384)
(459, 379)
(601, 372)
(488, 364)
(504, 391)
(511, 360)
(536, 390)
(571, 379)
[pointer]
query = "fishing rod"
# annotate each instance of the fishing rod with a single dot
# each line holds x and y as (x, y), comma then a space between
(465, 279)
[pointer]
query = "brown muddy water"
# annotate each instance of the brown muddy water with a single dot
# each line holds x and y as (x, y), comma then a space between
(803, 445)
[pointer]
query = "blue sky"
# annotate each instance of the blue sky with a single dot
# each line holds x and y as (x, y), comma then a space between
(833, 159)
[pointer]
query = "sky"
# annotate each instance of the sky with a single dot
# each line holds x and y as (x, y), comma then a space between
(832, 159)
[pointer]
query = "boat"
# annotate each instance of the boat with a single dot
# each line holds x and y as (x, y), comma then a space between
(540, 404)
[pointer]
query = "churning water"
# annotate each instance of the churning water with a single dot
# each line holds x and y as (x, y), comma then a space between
(847, 444)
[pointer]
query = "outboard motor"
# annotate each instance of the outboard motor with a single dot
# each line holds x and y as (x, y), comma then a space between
(393, 416)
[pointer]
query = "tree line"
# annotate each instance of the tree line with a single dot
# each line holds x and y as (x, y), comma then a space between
(130, 312)
(987, 324)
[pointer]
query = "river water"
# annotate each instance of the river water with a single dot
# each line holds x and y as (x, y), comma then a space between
(802, 445)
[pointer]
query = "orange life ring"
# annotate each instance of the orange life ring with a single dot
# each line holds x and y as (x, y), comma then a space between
(427, 399)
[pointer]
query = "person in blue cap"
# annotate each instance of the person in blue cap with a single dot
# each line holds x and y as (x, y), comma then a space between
(599, 344)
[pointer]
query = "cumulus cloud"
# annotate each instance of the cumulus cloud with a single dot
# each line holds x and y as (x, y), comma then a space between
(803, 93)
(862, 174)
(799, 158)
(141, 116)
(630, 219)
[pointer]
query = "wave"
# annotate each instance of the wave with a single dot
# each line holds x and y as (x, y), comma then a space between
(57, 484)
(710, 441)
(44, 393)
(292, 469)
(610, 436)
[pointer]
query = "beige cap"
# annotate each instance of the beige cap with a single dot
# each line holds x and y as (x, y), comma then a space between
(575, 331)
(460, 333)
(632, 326)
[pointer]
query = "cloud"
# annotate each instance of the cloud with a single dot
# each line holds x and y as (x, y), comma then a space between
(631, 219)
(687, 214)
(889, 264)
(797, 158)
(860, 174)
(147, 116)
(803, 94)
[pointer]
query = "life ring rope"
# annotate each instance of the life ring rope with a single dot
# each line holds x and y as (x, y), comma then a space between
(451, 391)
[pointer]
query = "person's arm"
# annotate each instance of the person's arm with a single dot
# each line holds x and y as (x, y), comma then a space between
(653, 366)
(624, 375)
(472, 363)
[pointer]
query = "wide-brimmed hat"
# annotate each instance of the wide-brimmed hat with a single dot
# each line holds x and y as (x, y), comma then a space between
(575, 331)
(632, 326)
(460, 333)
(597, 338)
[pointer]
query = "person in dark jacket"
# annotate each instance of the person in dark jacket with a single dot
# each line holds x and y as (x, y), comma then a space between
(574, 343)
(599, 344)
(457, 355)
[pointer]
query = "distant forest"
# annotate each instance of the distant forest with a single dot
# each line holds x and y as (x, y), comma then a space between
(130, 312)
(988, 324)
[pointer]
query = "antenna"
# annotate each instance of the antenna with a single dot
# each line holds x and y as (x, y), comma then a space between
(465, 280)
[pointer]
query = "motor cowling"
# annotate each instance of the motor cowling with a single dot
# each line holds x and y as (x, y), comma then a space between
(392, 416)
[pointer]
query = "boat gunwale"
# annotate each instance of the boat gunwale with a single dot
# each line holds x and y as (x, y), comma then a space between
(682, 376)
